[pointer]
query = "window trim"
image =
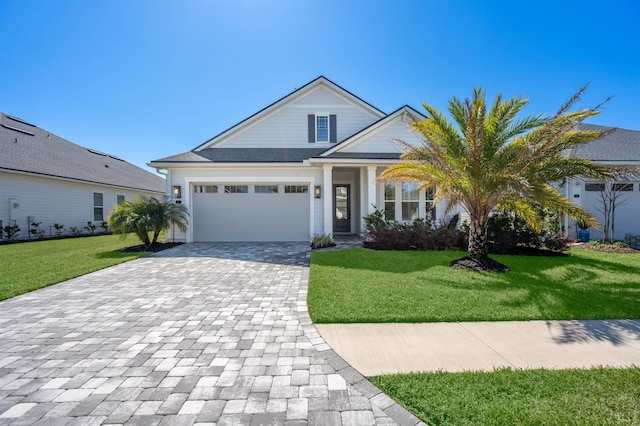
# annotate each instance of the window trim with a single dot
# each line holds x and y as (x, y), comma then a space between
(328, 128)
(98, 207)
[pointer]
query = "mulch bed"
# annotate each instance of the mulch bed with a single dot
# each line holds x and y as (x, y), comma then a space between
(153, 247)
(604, 248)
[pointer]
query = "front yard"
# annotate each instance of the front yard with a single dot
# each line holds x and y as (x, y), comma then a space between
(353, 286)
(29, 266)
(365, 286)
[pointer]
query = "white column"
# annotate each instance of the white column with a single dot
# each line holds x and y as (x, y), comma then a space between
(371, 189)
(328, 198)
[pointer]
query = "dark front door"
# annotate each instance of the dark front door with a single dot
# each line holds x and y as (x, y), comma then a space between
(342, 201)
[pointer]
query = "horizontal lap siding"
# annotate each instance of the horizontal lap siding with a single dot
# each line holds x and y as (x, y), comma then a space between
(53, 201)
(382, 140)
(288, 127)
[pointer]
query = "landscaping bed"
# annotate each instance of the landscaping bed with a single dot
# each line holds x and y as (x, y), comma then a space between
(154, 248)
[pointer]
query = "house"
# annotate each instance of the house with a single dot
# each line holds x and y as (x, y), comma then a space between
(305, 165)
(619, 150)
(46, 179)
(308, 163)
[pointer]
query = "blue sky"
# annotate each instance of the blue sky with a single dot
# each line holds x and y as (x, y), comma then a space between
(144, 79)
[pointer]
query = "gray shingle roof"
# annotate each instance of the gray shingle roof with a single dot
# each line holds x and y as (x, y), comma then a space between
(366, 155)
(244, 155)
(27, 148)
(616, 145)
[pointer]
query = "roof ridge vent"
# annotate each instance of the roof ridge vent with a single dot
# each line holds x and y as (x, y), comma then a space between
(19, 120)
(15, 129)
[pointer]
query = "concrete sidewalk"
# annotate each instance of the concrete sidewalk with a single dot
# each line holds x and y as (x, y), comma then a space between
(375, 349)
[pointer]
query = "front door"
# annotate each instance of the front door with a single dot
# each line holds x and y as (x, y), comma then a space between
(342, 201)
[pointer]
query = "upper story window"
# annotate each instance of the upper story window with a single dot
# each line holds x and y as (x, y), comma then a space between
(322, 128)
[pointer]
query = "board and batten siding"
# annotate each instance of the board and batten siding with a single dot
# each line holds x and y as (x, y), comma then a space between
(287, 127)
(50, 200)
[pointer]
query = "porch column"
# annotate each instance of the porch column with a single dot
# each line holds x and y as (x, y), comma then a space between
(371, 189)
(328, 198)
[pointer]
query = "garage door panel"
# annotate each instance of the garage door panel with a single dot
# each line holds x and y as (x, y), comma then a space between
(251, 217)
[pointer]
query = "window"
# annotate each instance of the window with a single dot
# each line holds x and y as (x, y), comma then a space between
(236, 189)
(266, 189)
(205, 189)
(623, 187)
(98, 206)
(410, 201)
(119, 199)
(322, 128)
(430, 194)
(390, 201)
(594, 187)
(296, 189)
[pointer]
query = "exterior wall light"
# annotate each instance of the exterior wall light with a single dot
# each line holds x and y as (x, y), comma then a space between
(317, 192)
(177, 192)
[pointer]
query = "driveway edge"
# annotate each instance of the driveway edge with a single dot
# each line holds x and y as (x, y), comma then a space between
(352, 377)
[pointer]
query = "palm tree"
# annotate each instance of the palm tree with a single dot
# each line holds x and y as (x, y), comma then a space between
(146, 214)
(493, 160)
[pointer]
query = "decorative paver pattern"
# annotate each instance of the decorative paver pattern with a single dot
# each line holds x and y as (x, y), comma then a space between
(200, 334)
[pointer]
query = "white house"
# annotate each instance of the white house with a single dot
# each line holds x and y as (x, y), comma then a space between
(307, 164)
(45, 178)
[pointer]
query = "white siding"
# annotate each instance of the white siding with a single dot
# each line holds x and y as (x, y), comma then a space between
(287, 126)
(382, 139)
(626, 218)
(250, 175)
(52, 201)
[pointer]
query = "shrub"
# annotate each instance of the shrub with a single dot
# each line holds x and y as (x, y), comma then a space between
(58, 227)
(509, 234)
(75, 231)
(91, 227)
(556, 242)
(383, 234)
(322, 241)
(147, 214)
(104, 226)
(11, 232)
(36, 231)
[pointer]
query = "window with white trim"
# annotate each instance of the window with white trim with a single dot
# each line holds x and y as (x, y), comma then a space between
(236, 189)
(390, 201)
(410, 201)
(322, 128)
(296, 189)
(98, 206)
(266, 189)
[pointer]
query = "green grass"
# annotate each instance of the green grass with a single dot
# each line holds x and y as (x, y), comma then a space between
(531, 397)
(29, 266)
(359, 285)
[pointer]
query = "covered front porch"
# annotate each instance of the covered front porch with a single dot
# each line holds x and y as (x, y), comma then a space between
(350, 191)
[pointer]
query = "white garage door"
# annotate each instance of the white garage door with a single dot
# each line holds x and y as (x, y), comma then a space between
(250, 212)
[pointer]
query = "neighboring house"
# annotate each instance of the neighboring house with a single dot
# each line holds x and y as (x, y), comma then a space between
(47, 179)
(307, 164)
(618, 149)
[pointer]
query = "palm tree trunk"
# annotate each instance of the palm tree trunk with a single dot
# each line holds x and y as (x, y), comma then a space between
(478, 244)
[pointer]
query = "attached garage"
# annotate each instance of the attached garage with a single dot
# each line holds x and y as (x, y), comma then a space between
(628, 206)
(250, 212)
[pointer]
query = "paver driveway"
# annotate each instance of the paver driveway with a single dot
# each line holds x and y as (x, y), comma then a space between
(203, 333)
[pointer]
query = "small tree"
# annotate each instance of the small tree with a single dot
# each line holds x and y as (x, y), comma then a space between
(613, 195)
(144, 214)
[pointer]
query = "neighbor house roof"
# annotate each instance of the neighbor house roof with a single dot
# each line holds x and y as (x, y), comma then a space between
(27, 148)
(618, 145)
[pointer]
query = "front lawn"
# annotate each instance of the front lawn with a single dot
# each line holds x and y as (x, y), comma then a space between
(365, 286)
(29, 266)
(522, 397)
